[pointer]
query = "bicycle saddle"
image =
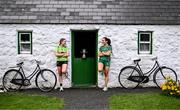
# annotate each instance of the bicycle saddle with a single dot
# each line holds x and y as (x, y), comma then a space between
(137, 60)
(19, 64)
(155, 58)
(38, 61)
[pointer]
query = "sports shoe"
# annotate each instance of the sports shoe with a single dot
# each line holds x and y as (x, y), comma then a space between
(105, 89)
(61, 88)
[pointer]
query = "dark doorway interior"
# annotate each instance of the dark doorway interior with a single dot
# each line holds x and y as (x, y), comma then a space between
(85, 40)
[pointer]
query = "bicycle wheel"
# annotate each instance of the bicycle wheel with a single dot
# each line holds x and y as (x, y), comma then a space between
(8, 80)
(161, 74)
(124, 75)
(46, 80)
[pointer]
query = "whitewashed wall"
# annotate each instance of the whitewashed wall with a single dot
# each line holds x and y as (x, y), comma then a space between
(166, 46)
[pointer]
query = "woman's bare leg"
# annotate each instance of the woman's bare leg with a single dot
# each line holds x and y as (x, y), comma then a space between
(100, 67)
(59, 68)
(106, 79)
(64, 68)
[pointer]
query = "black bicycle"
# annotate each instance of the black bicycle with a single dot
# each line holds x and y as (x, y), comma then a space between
(14, 79)
(131, 76)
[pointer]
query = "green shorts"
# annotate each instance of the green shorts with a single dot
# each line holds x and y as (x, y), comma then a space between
(105, 63)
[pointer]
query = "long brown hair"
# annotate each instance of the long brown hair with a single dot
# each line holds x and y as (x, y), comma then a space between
(61, 40)
(108, 41)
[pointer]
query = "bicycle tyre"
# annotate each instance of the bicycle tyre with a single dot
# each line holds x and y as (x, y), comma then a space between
(46, 80)
(124, 74)
(161, 74)
(7, 80)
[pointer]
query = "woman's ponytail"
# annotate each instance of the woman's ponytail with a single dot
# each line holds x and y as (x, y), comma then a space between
(108, 41)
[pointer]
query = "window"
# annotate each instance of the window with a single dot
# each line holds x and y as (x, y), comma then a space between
(25, 42)
(144, 42)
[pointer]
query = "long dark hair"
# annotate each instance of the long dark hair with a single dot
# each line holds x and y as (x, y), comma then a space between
(61, 40)
(108, 41)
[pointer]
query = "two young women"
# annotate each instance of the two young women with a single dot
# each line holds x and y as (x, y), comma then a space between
(61, 53)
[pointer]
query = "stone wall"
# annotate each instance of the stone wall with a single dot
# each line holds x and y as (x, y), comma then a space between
(166, 46)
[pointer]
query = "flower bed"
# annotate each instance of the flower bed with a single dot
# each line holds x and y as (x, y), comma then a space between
(171, 87)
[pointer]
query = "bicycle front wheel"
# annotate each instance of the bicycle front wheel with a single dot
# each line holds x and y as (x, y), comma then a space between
(124, 75)
(46, 80)
(12, 80)
(161, 74)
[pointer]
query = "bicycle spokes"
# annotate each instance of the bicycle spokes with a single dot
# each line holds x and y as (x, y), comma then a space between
(45, 84)
(124, 77)
(162, 74)
(46, 80)
(10, 80)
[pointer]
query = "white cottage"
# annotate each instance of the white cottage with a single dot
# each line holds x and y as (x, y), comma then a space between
(31, 29)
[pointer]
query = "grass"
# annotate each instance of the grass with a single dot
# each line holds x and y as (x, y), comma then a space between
(20, 101)
(143, 101)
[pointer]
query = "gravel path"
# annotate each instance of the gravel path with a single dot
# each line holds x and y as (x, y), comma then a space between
(88, 98)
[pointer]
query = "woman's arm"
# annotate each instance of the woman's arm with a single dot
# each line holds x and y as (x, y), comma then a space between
(66, 54)
(57, 54)
(101, 54)
(108, 53)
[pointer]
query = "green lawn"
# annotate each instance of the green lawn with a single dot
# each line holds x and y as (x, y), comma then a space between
(143, 101)
(20, 101)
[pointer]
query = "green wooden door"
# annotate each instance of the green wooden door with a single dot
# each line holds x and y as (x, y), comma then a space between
(84, 58)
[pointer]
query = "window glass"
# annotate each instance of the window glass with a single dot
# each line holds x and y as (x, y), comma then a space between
(24, 42)
(145, 42)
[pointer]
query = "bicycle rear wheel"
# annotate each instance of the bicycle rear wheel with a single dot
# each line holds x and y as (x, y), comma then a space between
(124, 75)
(161, 74)
(46, 80)
(9, 79)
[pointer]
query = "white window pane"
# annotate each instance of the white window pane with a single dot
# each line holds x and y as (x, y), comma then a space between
(25, 37)
(25, 47)
(144, 47)
(145, 37)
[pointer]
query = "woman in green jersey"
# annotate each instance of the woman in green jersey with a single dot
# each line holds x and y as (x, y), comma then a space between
(61, 53)
(104, 59)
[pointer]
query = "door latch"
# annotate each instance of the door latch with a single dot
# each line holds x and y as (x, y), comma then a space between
(84, 52)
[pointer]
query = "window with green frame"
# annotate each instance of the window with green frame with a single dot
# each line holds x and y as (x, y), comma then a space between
(24, 42)
(145, 42)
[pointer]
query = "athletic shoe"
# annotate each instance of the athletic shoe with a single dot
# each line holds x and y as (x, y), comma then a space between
(61, 88)
(105, 89)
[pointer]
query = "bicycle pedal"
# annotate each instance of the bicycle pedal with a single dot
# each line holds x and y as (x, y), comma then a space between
(27, 82)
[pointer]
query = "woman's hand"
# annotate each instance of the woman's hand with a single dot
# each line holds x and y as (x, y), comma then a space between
(58, 54)
(66, 54)
(101, 54)
(108, 53)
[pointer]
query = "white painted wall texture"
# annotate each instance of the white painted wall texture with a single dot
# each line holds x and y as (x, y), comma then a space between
(166, 46)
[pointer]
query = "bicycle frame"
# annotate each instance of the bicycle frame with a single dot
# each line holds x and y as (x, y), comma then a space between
(37, 70)
(155, 67)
